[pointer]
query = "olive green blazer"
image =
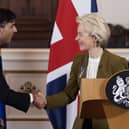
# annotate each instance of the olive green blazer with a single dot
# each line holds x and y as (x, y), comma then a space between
(109, 64)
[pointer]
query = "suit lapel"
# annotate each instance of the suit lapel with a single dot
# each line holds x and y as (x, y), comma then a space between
(102, 63)
(85, 63)
(100, 67)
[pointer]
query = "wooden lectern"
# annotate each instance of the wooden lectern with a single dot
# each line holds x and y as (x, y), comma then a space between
(94, 104)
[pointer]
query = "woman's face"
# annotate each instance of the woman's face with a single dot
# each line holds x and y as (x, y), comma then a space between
(85, 40)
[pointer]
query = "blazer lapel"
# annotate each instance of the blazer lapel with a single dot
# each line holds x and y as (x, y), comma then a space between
(83, 68)
(103, 62)
(85, 63)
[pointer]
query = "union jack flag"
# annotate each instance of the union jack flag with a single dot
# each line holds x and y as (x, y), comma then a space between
(63, 49)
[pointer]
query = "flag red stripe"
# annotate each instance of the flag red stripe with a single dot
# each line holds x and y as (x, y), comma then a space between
(62, 52)
(67, 21)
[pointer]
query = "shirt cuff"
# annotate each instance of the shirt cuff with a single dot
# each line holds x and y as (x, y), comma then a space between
(31, 98)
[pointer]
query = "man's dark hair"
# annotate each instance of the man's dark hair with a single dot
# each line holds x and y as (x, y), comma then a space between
(6, 16)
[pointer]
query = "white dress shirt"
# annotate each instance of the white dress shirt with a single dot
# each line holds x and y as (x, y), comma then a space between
(31, 98)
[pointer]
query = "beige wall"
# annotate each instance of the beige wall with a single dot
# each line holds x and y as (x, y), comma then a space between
(21, 66)
(115, 11)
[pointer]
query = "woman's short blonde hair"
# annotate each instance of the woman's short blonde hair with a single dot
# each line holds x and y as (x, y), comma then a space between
(96, 26)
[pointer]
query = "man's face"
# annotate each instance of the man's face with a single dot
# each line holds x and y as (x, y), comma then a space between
(7, 32)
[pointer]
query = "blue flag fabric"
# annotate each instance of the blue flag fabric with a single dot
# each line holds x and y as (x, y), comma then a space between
(94, 7)
(2, 106)
(60, 83)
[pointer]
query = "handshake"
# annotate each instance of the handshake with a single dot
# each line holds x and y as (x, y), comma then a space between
(39, 100)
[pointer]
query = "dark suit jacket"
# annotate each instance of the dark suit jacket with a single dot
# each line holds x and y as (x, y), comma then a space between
(109, 64)
(20, 101)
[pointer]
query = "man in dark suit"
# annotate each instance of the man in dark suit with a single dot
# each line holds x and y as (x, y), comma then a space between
(20, 101)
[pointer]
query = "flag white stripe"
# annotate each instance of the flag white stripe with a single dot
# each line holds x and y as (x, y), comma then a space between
(82, 6)
(59, 72)
(56, 36)
(71, 114)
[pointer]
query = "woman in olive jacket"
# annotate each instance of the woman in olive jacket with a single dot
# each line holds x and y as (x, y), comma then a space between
(92, 35)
